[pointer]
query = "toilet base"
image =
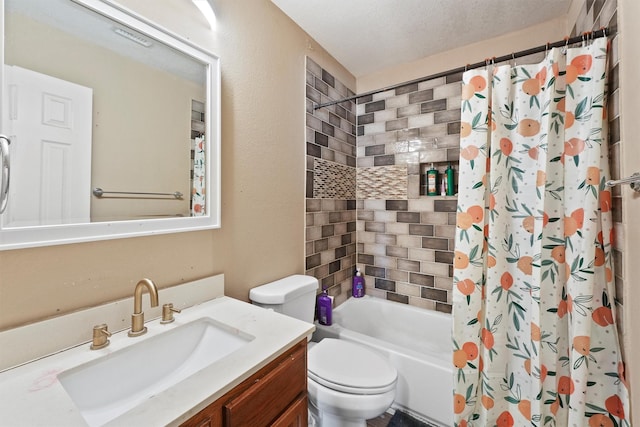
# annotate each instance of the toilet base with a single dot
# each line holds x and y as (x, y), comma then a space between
(318, 418)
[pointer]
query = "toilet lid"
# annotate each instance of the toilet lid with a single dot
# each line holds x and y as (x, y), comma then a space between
(350, 368)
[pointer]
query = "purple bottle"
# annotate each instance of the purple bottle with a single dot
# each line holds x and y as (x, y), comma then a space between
(357, 290)
(324, 308)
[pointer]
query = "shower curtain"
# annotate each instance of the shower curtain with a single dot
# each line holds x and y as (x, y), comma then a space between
(534, 334)
(198, 190)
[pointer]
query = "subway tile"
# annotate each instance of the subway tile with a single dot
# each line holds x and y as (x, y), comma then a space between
(329, 79)
(315, 151)
(375, 106)
(387, 285)
(386, 239)
(434, 294)
(374, 150)
(312, 261)
(432, 106)
(392, 296)
(328, 129)
(421, 279)
(366, 259)
(397, 102)
(420, 230)
(420, 254)
(410, 241)
(408, 111)
(445, 205)
(421, 96)
(387, 160)
(366, 119)
(340, 252)
(384, 216)
(436, 269)
(452, 78)
(397, 252)
(372, 271)
(327, 230)
(447, 116)
(377, 227)
(444, 308)
(444, 257)
(364, 99)
(435, 243)
(448, 91)
(408, 265)
(334, 266)
(396, 124)
(321, 245)
(434, 218)
(453, 128)
(398, 228)
(396, 205)
(413, 217)
(407, 88)
(365, 215)
(421, 121)
(397, 275)
(321, 86)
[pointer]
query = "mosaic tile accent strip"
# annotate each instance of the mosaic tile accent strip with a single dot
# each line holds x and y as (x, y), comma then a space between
(333, 181)
(383, 182)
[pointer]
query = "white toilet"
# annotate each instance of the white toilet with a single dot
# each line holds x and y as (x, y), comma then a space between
(347, 383)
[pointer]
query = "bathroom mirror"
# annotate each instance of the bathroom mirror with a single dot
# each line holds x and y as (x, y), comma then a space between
(112, 122)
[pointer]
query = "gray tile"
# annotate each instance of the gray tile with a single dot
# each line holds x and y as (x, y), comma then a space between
(445, 205)
(374, 106)
(435, 243)
(387, 285)
(421, 279)
(396, 205)
(420, 230)
(365, 259)
(410, 217)
(444, 257)
(447, 116)
(430, 107)
(392, 296)
(434, 294)
(387, 160)
(421, 96)
(408, 265)
(372, 271)
(406, 89)
(397, 252)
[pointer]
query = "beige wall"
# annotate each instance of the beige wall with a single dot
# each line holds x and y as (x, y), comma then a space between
(263, 191)
(498, 46)
(629, 16)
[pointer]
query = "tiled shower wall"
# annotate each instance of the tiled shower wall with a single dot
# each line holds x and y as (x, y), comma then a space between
(404, 240)
(330, 250)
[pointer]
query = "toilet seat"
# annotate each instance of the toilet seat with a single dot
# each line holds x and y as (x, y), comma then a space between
(350, 368)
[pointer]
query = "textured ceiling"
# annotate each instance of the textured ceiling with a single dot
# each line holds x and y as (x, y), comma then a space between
(370, 35)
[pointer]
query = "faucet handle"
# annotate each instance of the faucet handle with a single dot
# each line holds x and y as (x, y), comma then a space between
(167, 313)
(100, 337)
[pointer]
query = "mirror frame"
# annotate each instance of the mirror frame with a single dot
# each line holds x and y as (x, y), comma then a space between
(25, 237)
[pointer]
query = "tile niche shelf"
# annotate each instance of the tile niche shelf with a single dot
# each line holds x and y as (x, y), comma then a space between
(441, 167)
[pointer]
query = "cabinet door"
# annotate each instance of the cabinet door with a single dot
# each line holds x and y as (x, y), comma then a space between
(271, 395)
(295, 416)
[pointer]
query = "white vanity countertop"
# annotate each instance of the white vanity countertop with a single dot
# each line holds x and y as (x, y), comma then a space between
(31, 395)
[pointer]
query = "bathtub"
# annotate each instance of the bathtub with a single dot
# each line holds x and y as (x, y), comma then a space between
(416, 341)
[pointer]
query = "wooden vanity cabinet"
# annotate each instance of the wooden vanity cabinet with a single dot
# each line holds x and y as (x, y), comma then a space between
(274, 396)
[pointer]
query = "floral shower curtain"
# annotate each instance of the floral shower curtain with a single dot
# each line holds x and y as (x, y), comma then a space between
(198, 190)
(534, 336)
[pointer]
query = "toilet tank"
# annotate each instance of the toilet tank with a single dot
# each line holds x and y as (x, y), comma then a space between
(293, 296)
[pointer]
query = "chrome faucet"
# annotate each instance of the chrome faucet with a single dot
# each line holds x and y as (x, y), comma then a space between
(137, 318)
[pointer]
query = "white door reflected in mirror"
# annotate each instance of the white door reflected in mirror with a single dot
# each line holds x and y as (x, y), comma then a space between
(125, 122)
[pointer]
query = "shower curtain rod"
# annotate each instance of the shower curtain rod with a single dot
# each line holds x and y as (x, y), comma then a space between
(567, 41)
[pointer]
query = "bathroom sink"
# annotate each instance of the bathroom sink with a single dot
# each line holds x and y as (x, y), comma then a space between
(105, 388)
